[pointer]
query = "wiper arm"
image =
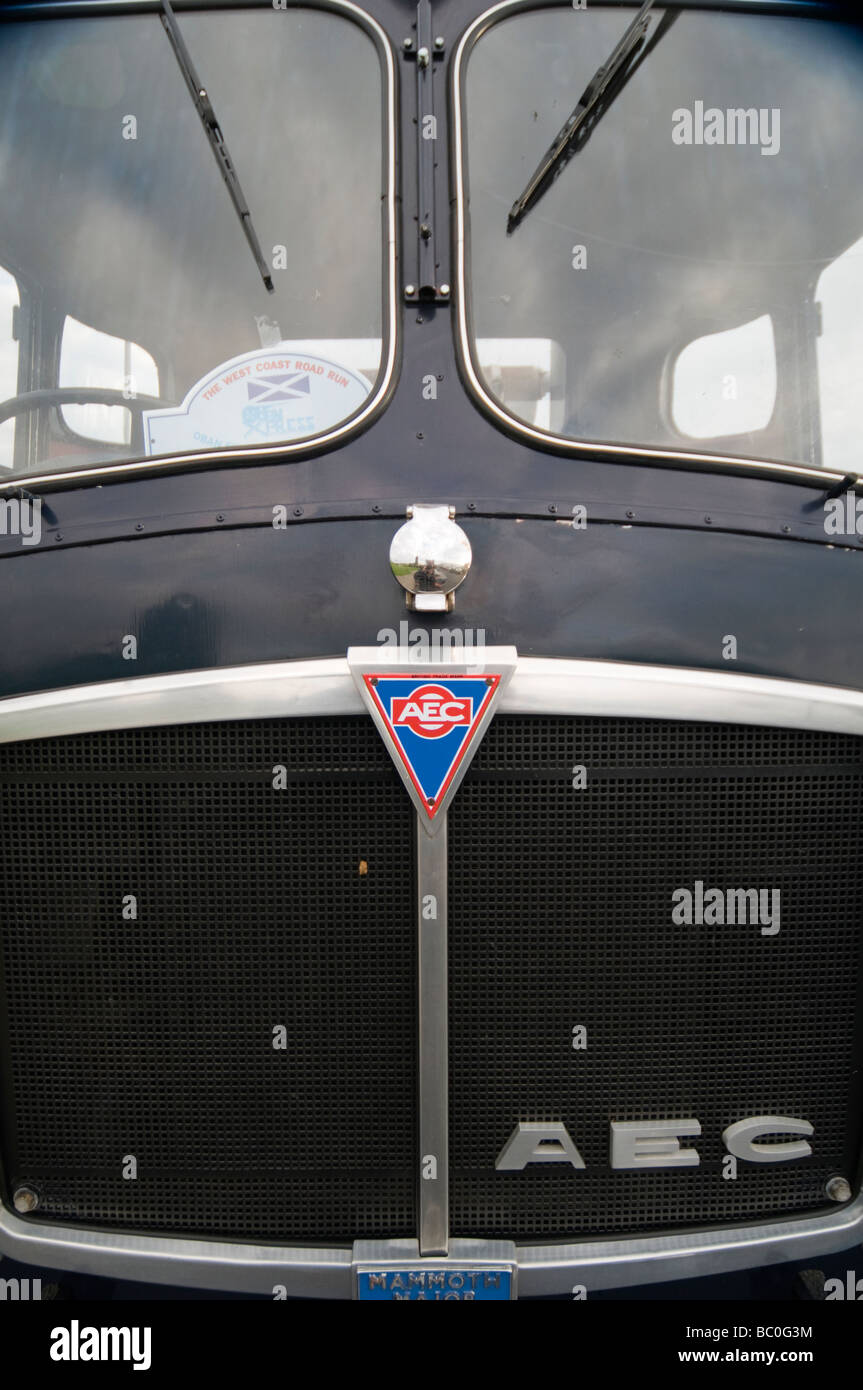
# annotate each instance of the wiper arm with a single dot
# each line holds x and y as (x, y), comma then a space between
(204, 108)
(595, 89)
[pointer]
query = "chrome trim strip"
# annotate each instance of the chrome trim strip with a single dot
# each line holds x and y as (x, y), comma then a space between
(311, 1271)
(327, 1273)
(549, 686)
(615, 1264)
(433, 1050)
(234, 692)
(540, 685)
(544, 438)
(377, 399)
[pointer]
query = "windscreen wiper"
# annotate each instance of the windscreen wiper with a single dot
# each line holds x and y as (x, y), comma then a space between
(211, 125)
(596, 88)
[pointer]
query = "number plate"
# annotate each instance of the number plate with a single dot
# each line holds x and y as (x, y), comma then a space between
(435, 1285)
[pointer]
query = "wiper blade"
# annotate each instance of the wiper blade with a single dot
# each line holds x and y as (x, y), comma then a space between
(593, 92)
(204, 108)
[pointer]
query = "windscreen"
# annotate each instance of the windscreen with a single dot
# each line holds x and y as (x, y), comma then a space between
(135, 320)
(691, 277)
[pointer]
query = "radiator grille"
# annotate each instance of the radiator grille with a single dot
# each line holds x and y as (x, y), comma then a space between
(154, 1037)
(560, 915)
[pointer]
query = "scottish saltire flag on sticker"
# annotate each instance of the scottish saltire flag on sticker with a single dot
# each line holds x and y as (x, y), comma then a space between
(432, 717)
(279, 388)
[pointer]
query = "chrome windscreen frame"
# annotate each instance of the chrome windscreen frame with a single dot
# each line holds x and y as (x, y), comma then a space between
(325, 687)
(386, 380)
(671, 458)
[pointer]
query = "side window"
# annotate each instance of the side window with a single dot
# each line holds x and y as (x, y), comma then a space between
(725, 383)
(840, 360)
(528, 375)
(91, 358)
(8, 361)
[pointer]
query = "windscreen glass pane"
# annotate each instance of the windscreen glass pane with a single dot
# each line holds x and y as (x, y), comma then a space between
(145, 327)
(692, 278)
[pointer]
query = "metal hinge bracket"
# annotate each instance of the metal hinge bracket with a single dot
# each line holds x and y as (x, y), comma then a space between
(430, 282)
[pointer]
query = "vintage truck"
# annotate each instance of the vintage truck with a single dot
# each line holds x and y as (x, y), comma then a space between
(431, 677)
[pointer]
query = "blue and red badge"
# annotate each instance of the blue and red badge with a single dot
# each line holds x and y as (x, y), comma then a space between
(432, 720)
(431, 723)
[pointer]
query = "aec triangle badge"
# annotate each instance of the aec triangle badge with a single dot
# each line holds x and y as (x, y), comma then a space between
(432, 714)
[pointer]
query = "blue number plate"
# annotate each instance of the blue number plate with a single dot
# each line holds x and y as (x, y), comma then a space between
(420, 1285)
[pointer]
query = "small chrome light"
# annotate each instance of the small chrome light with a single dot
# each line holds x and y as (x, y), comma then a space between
(430, 556)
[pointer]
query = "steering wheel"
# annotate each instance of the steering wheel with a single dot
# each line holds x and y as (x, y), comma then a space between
(82, 395)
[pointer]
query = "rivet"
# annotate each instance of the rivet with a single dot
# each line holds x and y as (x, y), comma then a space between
(58, 536)
(220, 517)
(419, 434)
(708, 520)
(838, 1189)
(24, 1199)
(298, 511)
(444, 289)
(471, 506)
(438, 43)
(552, 507)
(139, 525)
(407, 43)
(630, 516)
(410, 290)
(786, 529)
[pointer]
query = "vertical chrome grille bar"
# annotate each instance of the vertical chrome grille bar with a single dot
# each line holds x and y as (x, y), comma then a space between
(432, 1049)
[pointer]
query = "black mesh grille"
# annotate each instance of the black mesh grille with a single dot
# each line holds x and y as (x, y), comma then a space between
(256, 908)
(153, 1037)
(560, 915)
